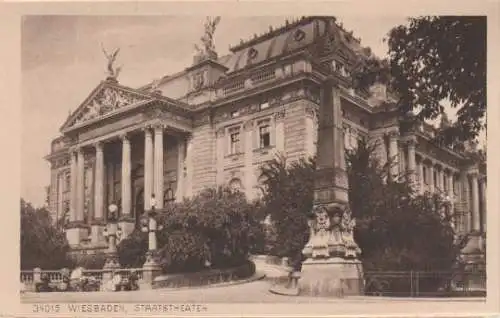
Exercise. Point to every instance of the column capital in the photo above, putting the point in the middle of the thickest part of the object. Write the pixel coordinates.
(159, 127)
(393, 134)
(98, 145)
(124, 137)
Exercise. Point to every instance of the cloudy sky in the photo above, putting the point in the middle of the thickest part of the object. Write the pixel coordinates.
(62, 62)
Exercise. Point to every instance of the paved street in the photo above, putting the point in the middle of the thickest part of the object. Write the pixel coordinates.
(253, 292)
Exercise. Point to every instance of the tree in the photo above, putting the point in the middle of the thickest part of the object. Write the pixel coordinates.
(216, 228)
(397, 229)
(287, 200)
(42, 244)
(431, 59)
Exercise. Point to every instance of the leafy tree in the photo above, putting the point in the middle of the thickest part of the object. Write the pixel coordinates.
(42, 244)
(431, 59)
(397, 229)
(287, 200)
(216, 228)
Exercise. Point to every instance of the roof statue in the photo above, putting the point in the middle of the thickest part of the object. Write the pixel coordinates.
(113, 71)
(207, 50)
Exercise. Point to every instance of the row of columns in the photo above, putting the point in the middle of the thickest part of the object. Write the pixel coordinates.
(153, 175)
(444, 181)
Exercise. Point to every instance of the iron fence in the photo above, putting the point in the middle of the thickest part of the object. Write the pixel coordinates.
(425, 284)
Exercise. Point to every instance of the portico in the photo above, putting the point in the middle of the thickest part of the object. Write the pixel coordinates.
(124, 166)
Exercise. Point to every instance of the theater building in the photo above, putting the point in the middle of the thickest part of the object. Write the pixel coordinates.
(218, 120)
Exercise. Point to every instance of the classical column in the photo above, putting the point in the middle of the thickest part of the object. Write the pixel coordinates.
(411, 159)
(80, 186)
(98, 221)
(439, 179)
(158, 166)
(188, 187)
(431, 177)
(475, 203)
(126, 175)
(394, 152)
(421, 175)
(99, 182)
(148, 168)
(181, 151)
(73, 193)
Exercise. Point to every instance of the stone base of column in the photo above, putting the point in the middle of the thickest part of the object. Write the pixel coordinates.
(76, 233)
(96, 233)
(151, 269)
(475, 244)
(127, 226)
(333, 277)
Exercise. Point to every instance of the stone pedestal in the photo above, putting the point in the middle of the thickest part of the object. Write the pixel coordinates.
(127, 226)
(332, 277)
(76, 234)
(474, 259)
(97, 233)
(150, 270)
(111, 265)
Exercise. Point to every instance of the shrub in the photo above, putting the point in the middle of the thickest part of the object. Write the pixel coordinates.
(91, 261)
(42, 244)
(132, 250)
(218, 227)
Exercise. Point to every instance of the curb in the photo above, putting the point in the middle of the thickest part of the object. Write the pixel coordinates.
(255, 277)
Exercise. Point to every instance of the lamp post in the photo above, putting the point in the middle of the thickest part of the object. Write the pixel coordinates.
(149, 225)
(111, 232)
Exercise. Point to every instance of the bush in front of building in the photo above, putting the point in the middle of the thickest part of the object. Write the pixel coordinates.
(43, 244)
(397, 228)
(215, 229)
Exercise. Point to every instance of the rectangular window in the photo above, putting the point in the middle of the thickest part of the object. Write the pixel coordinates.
(264, 136)
(424, 172)
(235, 114)
(234, 142)
(264, 105)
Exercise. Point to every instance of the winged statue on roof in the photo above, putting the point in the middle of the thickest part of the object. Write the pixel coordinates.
(113, 71)
(207, 40)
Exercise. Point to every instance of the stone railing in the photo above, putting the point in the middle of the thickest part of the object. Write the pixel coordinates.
(30, 278)
(234, 86)
(266, 75)
(263, 76)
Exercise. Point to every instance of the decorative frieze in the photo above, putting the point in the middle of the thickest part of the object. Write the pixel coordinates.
(107, 100)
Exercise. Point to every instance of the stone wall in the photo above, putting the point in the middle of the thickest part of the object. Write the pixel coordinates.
(203, 158)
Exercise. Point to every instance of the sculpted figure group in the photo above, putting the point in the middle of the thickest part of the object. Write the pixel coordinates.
(331, 234)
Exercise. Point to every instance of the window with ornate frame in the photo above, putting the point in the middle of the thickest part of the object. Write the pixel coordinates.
(234, 140)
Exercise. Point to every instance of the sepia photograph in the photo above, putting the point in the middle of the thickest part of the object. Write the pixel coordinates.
(172, 162)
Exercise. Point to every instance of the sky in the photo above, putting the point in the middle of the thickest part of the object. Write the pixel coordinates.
(62, 62)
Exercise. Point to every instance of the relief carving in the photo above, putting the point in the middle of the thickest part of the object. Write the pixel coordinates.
(107, 101)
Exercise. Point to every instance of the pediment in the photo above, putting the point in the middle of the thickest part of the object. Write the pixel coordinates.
(105, 99)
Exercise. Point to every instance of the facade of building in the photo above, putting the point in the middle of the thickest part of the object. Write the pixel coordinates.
(220, 119)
